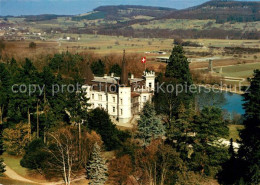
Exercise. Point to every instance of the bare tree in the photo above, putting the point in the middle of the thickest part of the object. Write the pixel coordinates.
(64, 151)
(153, 163)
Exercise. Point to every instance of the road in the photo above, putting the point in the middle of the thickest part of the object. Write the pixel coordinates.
(13, 175)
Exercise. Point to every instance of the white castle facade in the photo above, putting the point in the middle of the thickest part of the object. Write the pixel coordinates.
(121, 97)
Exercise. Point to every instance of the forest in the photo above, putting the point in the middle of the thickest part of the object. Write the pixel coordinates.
(174, 142)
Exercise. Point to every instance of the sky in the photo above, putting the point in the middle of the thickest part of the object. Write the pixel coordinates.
(75, 7)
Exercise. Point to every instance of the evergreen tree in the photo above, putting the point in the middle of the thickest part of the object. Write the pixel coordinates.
(2, 167)
(98, 68)
(97, 168)
(116, 69)
(1, 140)
(209, 154)
(230, 170)
(35, 156)
(149, 126)
(99, 120)
(4, 90)
(249, 152)
(175, 87)
(181, 130)
(178, 66)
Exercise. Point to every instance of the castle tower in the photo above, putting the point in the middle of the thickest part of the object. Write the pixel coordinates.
(124, 74)
(149, 80)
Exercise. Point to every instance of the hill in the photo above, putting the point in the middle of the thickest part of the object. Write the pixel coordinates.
(221, 11)
(126, 12)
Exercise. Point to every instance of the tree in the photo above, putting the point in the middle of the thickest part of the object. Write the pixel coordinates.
(157, 164)
(230, 169)
(249, 152)
(4, 90)
(149, 126)
(98, 68)
(100, 121)
(2, 47)
(120, 169)
(97, 168)
(178, 66)
(208, 153)
(87, 144)
(1, 140)
(15, 139)
(2, 167)
(116, 69)
(181, 130)
(35, 156)
(32, 45)
(63, 152)
(175, 86)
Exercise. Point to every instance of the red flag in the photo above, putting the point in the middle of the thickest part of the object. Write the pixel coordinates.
(144, 60)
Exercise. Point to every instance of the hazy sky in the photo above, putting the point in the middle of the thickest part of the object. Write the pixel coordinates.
(73, 7)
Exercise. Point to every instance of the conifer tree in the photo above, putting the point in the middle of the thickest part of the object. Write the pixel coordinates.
(97, 168)
(2, 166)
(230, 168)
(209, 154)
(249, 152)
(174, 89)
(181, 130)
(149, 126)
(178, 66)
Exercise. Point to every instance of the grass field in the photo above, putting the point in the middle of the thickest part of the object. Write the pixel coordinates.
(14, 163)
(102, 45)
(240, 70)
(234, 131)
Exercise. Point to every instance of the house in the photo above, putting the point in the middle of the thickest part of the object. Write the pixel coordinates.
(122, 97)
(163, 59)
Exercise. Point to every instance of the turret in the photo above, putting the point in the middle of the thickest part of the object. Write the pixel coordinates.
(149, 80)
(124, 74)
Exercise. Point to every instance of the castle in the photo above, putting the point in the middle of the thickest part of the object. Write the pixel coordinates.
(122, 97)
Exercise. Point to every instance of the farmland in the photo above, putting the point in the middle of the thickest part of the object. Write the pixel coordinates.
(104, 45)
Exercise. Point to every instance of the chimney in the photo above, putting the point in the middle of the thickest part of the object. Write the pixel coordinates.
(124, 75)
(112, 75)
(105, 76)
(132, 76)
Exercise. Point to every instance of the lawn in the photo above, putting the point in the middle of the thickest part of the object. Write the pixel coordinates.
(240, 70)
(14, 163)
(234, 131)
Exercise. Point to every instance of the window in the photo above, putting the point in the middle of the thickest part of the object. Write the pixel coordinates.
(121, 111)
(100, 97)
(114, 109)
(121, 101)
(144, 98)
(150, 85)
(93, 96)
(114, 99)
